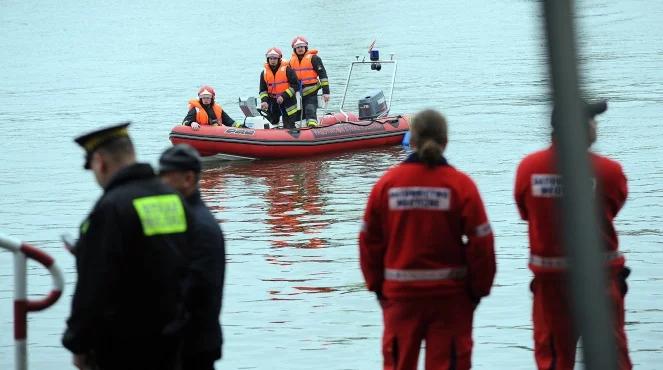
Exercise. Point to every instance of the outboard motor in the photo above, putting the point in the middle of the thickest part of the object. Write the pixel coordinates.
(249, 107)
(253, 118)
(373, 105)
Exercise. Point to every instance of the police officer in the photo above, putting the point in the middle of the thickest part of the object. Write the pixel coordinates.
(127, 307)
(537, 191)
(179, 167)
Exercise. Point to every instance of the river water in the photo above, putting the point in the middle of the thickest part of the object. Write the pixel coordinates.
(294, 297)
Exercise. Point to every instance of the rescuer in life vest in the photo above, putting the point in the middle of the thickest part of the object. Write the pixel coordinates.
(312, 76)
(278, 84)
(205, 111)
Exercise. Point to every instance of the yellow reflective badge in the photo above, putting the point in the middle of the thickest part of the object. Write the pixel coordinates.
(161, 214)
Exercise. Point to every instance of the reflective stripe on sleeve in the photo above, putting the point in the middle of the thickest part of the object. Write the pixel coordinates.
(562, 262)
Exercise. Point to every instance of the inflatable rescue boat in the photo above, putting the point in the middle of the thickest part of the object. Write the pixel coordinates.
(373, 126)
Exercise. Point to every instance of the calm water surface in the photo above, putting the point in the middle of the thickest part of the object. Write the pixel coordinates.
(294, 296)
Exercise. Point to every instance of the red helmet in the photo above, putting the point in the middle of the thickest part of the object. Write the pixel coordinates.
(274, 52)
(299, 41)
(206, 90)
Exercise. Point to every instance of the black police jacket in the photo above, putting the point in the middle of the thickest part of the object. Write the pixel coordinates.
(205, 286)
(131, 267)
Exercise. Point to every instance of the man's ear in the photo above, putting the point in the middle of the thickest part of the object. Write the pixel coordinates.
(100, 161)
(190, 178)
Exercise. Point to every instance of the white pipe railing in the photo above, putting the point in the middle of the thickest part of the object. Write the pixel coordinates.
(22, 305)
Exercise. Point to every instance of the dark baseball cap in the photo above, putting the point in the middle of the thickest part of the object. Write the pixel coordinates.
(589, 109)
(181, 157)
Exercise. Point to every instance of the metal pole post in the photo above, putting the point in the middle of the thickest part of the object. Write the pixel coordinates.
(347, 83)
(393, 83)
(20, 312)
(592, 314)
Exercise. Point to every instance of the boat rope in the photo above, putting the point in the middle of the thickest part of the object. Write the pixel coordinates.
(361, 124)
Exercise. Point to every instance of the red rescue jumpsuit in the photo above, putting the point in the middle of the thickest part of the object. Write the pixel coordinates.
(537, 188)
(413, 255)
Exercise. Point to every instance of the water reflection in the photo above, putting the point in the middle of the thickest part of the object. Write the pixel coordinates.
(290, 202)
(293, 197)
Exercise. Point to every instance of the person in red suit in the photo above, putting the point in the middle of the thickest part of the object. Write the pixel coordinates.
(538, 188)
(426, 250)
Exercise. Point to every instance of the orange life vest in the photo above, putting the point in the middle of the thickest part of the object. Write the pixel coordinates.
(304, 68)
(276, 83)
(201, 115)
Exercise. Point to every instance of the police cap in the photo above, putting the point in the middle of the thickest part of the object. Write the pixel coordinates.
(97, 139)
(181, 157)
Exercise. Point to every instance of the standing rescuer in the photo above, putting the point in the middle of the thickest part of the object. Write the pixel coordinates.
(128, 308)
(538, 187)
(179, 167)
(312, 76)
(426, 250)
(278, 84)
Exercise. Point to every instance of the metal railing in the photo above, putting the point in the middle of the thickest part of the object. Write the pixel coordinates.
(380, 62)
(22, 305)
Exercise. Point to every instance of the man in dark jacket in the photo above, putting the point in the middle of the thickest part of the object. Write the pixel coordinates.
(127, 309)
(179, 167)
